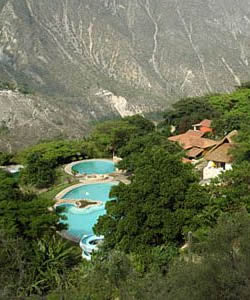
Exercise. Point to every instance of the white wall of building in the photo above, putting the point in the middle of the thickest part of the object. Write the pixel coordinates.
(211, 171)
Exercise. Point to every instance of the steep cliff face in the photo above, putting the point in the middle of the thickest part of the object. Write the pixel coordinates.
(26, 119)
(143, 53)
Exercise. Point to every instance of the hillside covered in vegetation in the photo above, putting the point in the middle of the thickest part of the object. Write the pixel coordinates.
(88, 59)
(165, 233)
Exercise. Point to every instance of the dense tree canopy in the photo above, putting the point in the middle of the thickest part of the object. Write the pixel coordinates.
(39, 171)
(137, 145)
(189, 111)
(241, 151)
(233, 109)
(220, 267)
(5, 158)
(35, 267)
(25, 215)
(143, 125)
(155, 207)
(231, 195)
(32, 258)
(59, 151)
(41, 160)
(147, 221)
(228, 111)
(111, 136)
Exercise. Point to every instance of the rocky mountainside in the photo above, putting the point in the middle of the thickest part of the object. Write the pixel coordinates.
(88, 59)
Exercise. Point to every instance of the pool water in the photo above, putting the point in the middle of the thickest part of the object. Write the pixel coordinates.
(94, 167)
(81, 221)
(97, 191)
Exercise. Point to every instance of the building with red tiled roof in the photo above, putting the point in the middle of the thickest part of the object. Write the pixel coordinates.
(195, 133)
(184, 138)
(221, 153)
(186, 160)
(194, 152)
(203, 126)
(219, 157)
(194, 142)
(192, 139)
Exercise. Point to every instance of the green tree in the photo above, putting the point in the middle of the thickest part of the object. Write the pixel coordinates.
(25, 215)
(233, 120)
(5, 158)
(155, 207)
(189, 111)
(231, 195)
(59, 151)
(39, 171)
(51, 264)
(14, 275)
(111, 136)
(33, 260)
(35, 267)
(241, 151)
(137, 145)
(41, 160)
(220, 268)
(143, 125)
(233, 111)
(244, 85)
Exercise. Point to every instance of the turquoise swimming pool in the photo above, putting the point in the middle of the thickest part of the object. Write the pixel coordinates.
(95, 166)
(80, 221)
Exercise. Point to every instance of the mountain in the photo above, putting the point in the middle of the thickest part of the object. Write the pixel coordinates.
(89, 59)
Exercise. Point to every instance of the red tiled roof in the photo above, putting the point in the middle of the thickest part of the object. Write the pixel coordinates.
(195, 133)
(188, 134)
(221, 152)
(206, 123)
(186, 160)
(206, 129)
(199, 143)
(194, 152)
(192, 139)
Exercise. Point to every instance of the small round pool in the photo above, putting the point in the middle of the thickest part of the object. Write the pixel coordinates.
(94, 166)
(80, 221)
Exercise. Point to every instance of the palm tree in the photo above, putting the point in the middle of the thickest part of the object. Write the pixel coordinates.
(54, 259)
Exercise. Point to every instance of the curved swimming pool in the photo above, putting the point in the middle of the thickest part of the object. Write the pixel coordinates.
(81, 221)
(94, 166)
